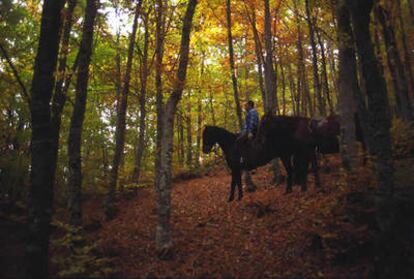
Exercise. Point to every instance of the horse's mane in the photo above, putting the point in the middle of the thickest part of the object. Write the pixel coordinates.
(219, 131)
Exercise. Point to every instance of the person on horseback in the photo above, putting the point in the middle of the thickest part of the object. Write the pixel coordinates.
(251, 122)
(249, 129)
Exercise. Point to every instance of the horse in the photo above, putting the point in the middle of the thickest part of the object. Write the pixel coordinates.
(286, 137)
(326, 132)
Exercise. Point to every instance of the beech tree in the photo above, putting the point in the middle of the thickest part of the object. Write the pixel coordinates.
(41, 177)
(121, 118)
(348, 85)
(78, 115)
(163, 183)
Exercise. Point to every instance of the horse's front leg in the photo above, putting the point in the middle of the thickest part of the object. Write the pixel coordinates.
(238, 177)
(288, 167)
(232, 186)
(315, 169)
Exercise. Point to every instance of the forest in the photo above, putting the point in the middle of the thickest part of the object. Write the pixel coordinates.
(124, 125)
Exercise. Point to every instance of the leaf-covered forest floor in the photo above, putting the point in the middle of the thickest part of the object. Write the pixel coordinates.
(267, 234)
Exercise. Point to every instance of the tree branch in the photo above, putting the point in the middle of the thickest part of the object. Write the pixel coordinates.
(15, 73)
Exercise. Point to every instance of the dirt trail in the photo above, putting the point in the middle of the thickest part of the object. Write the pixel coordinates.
(267, 234)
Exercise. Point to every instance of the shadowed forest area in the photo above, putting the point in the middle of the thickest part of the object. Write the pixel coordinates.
(129, 146)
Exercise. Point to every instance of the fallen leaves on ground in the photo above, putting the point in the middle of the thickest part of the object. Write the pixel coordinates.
(267, 234)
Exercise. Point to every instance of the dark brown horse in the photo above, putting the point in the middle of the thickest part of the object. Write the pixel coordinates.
(326, 132)
(288, 138)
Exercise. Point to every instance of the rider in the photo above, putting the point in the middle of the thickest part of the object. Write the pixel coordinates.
(250, 126)
(251, 122)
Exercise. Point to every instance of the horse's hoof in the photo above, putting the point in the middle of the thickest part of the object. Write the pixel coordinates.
(230, 199)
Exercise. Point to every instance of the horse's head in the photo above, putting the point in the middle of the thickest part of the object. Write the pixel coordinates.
(208, 139)
(326, 126)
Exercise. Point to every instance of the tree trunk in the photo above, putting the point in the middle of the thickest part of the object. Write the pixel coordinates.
(199, 115)
(180, 139)
(332, 69)
(395, 65)
(142, 105)
(304, 99)
(411, 10)
(62, 84)
(159, 54)
(232, 66)
(269, 71)
(189, 157)
(325, 83)
(348, 87)
(78, 115)
(110, 211)
(259, 57)
(41, 176)
(316, 82)
(283, 81)
(270, 79)
(163, 186)
(407, 61)
(292, 90)
(379, 119)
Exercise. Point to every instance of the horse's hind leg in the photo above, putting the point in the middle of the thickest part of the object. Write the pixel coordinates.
(315, 169)
(232, 187)
(288, 167)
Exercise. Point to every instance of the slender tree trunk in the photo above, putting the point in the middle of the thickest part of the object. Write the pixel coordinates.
(180, 141)
(16, 75)
(159, 54)
(142, 105)
(316, 81)
(407, 61)
(199, 131)
(199, 114)
(41, 176)
(78, 115)
(303, 87)
(259, 57)
(411, 10)
(118, 75)
(232, 66)
(283, 81)
(269, 71)
(62, 83)
(348, 87)
(213, 115)
(292, 89)
(325, 83)
(332, 67)
(189, 156)
(395, 65)
(110, 211)
(163, 231)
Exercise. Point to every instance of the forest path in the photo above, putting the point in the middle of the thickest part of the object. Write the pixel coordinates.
(267, 234)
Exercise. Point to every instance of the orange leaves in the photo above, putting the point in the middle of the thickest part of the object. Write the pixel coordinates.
(266, 234)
